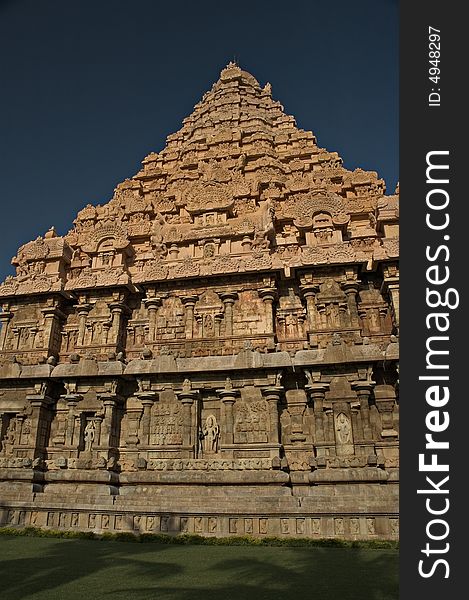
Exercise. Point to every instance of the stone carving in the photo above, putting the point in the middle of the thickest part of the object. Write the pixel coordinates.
(210, 435)
(251, 422)
(167, 421)
(316, 526)
(354, 526)
(10, 438)
(263, 525)
(285, 526)
(224, 327)
(339, 527)
(89, 435)
(198, 524)
(343, 429)
(233, 526)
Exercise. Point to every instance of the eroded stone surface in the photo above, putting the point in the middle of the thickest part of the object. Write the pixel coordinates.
(214, 350)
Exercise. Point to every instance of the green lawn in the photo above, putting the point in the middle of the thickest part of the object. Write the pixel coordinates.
(53, 569)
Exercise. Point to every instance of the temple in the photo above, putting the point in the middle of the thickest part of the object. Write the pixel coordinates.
(215, 349)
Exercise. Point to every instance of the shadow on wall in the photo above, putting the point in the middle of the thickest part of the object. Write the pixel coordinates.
(36, 569)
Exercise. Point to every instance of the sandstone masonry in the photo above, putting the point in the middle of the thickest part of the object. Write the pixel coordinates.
(214, 350)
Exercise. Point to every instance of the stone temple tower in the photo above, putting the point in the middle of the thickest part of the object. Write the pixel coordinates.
(214, 350)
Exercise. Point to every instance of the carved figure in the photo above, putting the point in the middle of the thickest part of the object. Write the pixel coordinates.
(343, 428)
(211, 432)
(89, 435)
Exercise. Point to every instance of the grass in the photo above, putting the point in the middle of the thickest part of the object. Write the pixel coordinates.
(188, 538)
(40, 568)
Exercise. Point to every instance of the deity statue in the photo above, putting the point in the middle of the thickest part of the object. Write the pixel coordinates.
(210, 435)
(89, 435)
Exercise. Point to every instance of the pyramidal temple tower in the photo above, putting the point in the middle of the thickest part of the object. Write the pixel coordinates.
(214, 350)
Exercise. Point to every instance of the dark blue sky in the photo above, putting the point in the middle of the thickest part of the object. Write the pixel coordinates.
(89, 87)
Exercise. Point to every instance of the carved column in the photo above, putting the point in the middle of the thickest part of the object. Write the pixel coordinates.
(40, 423)
(152, 305)
(118, 309)
(268, 296)
(72, 401)
(82, 312)
(109, 404)
(317, 393)
(189, 303)
(52, 319)
(272, 395)
(228, 299)
(309, 292)
(5, 318)
(351, 289)
(363, 389)
(147, 399)
(187, 398)
(228, 398)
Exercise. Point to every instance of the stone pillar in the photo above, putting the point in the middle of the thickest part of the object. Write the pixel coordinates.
(109, 404)
(272, 395)
(82, 312)
(228, 299)
(385, 398)
(40, 423)
(351, 289)
(363, 389)
(268, 296)
(117, 310)
(152, 305)
(187, 397)
(52, 318)
(5, 318)
(72, 401)
(189, 303)
(228, 398)
(314, 322)
(317, 394)
(147, 399)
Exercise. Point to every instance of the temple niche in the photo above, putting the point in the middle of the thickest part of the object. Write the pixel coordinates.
(214, 350)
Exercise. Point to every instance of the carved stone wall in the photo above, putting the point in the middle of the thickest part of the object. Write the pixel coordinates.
(218, 340)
